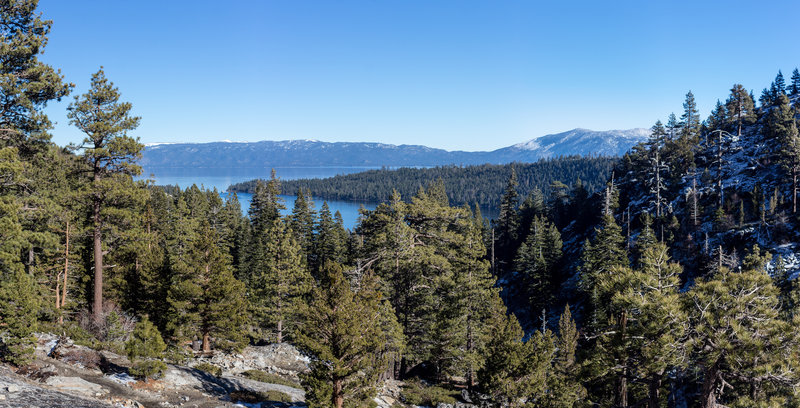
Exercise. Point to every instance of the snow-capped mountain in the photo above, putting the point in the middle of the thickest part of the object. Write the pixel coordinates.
(312, 153)
(583, 142)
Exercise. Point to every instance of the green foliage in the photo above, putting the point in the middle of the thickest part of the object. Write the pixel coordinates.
(145, 341)
(205, 299)
(250, 397)
(738, 335)
(414, 392)
(279, 282)
(209, 368)
(19, 304)
(537, 259)
(148, 368)
(516, 370)
(110, 155)
(26, 84)
(269, 378)
(350, 333)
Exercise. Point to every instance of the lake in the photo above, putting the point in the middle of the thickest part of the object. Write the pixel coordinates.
(221, 178)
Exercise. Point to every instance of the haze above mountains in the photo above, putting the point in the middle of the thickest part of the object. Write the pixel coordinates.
(309, 153)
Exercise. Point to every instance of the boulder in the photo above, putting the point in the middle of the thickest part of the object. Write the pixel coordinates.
(76, 385)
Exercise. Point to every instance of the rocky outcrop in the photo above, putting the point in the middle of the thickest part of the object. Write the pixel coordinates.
(15, 394)
(77, 386)
(282, 359)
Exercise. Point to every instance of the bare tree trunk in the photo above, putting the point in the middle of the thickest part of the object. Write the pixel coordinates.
(280, 331)
(622, 380)
(66, 274)
(206, 343)
(97, 305)
(794, 190)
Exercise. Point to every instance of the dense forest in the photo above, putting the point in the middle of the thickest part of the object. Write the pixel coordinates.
(466, 185)
(672, 286)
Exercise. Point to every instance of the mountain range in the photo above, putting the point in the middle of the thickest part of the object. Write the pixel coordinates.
(311, 153)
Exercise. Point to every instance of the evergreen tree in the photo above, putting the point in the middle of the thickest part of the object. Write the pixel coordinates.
(794, 87)
(205, 299)
(26, 84)
(507, 223)
(331, 238)
(739, 339)
(145, 348)
(565, 389)
(782, 127)
(516, 371)
(110, 153)
(599, 259)
(536, 260)
(351, 333)
(302, 223)
(281, 283)
(778, 86)
(741, 108)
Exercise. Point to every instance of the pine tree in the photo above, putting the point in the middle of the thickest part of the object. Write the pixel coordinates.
(536, 261)
(718, 118)
(507, 223)
(515, 370)
(302, 223)
(738, 337)
(794, 87)
(781, 126)
(351, 333)
(564, 387)
(281, 283)
(26, 84)
(264, 211)
(778, 86)
(205, 299)
(600, 257)
(331, 239)
(657, 166)
(110, 153)
(145, 348)
(741, 108)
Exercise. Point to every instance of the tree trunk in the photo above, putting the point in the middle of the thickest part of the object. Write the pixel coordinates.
(654, 391)
(709, 396)
(280, 331)
(66, 273)
(794, 190)
(206, 343)
(622, 380)
(338, 398)
(97, 305)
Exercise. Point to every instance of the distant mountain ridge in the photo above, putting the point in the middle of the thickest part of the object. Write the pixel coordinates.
(312, 153)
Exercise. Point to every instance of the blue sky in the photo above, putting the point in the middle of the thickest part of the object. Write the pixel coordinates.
(459, 75)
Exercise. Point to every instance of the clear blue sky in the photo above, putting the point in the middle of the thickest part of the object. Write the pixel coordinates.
(466, 75)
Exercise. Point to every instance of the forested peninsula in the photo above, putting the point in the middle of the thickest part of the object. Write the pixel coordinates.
(465, 185)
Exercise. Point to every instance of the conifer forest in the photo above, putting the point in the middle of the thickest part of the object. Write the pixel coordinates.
(663, 278)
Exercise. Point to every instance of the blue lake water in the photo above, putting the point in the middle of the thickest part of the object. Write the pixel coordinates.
(221, 178)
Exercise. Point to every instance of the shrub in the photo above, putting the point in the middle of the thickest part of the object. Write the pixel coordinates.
(209, 368)
(145, 341)
(145, 348)
(148, 368)
(251, 397)
(414, 392)
(270, 378)
(178, 355)
(114, 325)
